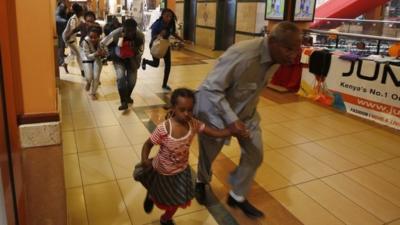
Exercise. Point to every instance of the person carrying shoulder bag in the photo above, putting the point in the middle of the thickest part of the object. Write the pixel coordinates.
(126, 57)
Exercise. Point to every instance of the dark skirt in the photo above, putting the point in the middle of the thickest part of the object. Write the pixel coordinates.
(166, 190)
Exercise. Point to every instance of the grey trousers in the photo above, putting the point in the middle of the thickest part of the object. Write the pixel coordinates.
(251, 158)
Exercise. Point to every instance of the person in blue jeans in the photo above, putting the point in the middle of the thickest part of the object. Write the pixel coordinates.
(126, 54)
(164, 27)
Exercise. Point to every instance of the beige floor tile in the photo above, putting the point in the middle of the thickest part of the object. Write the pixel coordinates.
(381, 141)
(271, 116)
(376, 184)
(68, 142)
(88, 140)
(368, 150)
(66, 123)
(307, 109)
(394, 163)
(133, 194)
(370, 201)
(71, 171)
(100, 106)
(202, 217)
(290, 170)
(341, 123)
(231, 150)
(269, 179)
(337, 204)
(105, 120)
(193, 159)
(285, 134)
(288, 113)
(309, 163)
(273, 141)
(137, 148)
(113, 136)
(127, 118)
(65, 107)
(331, 159)
(385, 172)
(79, 104)
(351, 155)
(307, 132)
(83, 120)
(154, 100)
(76, 208)
(396, 222)
(138, 139)
(300, 205)
(266, 102)
(95, 167)
(110, 208)
(135, 130)
(320, 127)
(390, 133)
(123, 160)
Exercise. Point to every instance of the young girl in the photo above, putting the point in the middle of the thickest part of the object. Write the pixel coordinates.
(91, 59)
(168, 179)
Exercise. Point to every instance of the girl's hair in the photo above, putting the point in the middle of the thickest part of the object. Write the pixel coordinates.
(76, 8)
(180, 92)
(173, 20)
(129, 23)
(95, 29)
(90, 14)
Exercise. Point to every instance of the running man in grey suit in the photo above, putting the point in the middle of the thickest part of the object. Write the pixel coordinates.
(228, 98)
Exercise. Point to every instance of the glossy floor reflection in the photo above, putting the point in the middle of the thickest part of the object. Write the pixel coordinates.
(320, 167)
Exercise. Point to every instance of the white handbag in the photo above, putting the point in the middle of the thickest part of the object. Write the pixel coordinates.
(159, 47)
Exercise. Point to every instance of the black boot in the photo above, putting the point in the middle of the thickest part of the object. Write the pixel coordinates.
(122, 96)
(128, 98)
(148, 204)
(144, 64)
(123, 106)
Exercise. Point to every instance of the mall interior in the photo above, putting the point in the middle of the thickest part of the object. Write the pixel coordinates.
(330, 121)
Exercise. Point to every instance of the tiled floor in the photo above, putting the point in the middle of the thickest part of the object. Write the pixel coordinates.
(320, 167)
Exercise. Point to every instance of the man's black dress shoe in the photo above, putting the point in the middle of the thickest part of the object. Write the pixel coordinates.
(200, 193)
(245, 206)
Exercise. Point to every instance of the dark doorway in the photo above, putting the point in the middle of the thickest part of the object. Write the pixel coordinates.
(189, 20)
(226, 24)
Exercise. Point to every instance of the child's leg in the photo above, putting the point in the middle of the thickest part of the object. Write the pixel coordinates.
(169, 213)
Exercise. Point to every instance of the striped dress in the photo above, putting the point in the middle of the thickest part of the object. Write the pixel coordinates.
(170, 183)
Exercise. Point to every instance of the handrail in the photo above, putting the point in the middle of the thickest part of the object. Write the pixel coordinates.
(358, 20)
(353, 35)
